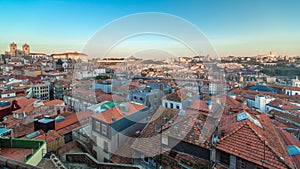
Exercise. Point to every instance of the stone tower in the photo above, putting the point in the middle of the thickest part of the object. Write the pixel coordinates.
(13, 49)
(26, 49)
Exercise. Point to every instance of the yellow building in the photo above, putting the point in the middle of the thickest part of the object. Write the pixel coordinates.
(71, 55)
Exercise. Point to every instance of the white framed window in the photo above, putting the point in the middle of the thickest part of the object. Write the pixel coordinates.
(104, 129)
(164, 139)
(97, 126)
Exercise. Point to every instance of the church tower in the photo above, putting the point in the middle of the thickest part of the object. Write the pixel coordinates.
(13, 49)
(26, 49)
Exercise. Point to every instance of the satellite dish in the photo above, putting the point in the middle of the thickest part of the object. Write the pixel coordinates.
(65, 65)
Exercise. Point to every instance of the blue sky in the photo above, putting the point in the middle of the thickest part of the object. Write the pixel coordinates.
(234, 27)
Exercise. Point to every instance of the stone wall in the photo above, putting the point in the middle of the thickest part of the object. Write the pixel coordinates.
(84, 158)
(9, 163)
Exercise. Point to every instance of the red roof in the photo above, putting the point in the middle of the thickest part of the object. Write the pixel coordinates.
(232, 102)
(199, 105)
(72, 119)
(248, 141)
(284, 105)
(179, 95)
(290, 140)
(292, 88)
(53, 102)
(117, 113)
(22, 102)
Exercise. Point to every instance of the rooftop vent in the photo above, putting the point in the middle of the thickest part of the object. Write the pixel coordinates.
(123, 107)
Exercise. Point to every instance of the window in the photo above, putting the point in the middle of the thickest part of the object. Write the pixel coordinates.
(241, 164)
(177, 107)
(224, 158)
(166, 104)
(171, 105)
(105, 146)
(145, 159)
(104, 129)
(97, 126)
(164, 139)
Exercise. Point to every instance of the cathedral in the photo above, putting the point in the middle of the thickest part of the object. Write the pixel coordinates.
(15, 52)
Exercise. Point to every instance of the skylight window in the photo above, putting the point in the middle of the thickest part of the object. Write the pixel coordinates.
(293, 150)
(245, 115)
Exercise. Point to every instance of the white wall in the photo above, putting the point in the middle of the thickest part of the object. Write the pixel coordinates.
(292, 92)
(168, 102)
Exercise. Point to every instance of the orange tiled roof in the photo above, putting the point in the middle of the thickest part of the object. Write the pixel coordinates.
(53, 102)
(22, 102)
(248, 141)
(290, 140)
(179, 95)
(117, 113)
(199, 105)
(72, 119)
(231, 101)
(292, 88)
(284, 105)
(49, 137)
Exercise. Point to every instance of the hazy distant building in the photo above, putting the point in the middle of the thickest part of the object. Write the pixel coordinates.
(13, 50)
(296, 82)
(70, 55)
(26, 49)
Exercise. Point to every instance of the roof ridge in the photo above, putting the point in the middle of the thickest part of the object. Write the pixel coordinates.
(249, 124)
(233, 132)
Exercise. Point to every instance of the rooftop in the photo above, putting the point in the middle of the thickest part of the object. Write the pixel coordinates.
(117, 113)
(179, 95)
(249, 141)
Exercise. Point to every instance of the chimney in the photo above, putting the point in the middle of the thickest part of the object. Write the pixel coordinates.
(209, 104)
(161, 86)
(123, 107)
(35, 124)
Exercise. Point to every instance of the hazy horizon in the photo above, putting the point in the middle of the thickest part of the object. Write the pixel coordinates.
(239, 28)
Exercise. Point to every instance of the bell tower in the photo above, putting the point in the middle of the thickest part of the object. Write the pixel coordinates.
(13, 49)
(26, 49)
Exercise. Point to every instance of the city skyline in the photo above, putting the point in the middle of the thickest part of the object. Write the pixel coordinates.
(233, 27)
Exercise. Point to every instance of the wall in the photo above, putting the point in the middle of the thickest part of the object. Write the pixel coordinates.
(168, 102)
(91, 162)
(37, 156)
(39, 145)
(9, 163)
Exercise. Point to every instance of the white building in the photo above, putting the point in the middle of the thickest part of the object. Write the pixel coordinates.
(179, 99)
(40, 91)
(292, 90)
(282, 106)
(261, 102)
(296, 82)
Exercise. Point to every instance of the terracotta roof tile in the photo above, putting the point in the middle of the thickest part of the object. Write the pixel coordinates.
(117, 113)
(22, 102)
(292, 88)
(53, 102)
(179, 95)
(72, 119)
(248, 141)
(290, 140)
(150, 145)
(284, 105)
